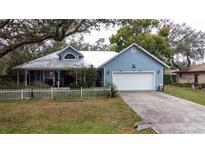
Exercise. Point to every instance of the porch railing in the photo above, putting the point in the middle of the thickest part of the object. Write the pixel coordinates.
(53, 93)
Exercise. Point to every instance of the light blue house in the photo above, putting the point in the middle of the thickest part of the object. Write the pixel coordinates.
(134, 68)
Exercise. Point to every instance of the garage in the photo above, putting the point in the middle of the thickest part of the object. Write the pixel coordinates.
(134, 68)
(134, 80)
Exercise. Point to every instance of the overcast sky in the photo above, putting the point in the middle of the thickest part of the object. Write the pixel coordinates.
(103, 33)
(198, 24)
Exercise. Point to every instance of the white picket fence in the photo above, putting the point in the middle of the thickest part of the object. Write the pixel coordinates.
(53, 93)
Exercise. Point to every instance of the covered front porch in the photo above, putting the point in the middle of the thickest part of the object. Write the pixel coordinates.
(58, 78)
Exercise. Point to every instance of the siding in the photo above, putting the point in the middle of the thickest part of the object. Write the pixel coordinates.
(141, 60)
(201, 78)
(189, 78)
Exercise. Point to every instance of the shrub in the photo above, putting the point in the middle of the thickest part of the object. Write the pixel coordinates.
(90, 74)
(189, 85)
(114, 91)
(169, 79)
(14, 85)
(200, 86)
(74, 85)
(184, 85)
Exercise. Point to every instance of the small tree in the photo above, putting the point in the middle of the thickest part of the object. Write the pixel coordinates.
(91, 76)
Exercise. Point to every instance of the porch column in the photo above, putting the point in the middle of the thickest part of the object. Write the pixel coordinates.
(58, 79)
(25, 78)
(54, 79)
(104, 77)
(29, 78)
(84, 76)
(17, 78)
(43, 77)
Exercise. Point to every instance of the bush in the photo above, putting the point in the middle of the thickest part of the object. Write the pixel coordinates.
(74, 85)
(184, 85)
(114, 91)
(200, 86)
(90, 78)
(170, 79)
(189, 85)
(14, 85)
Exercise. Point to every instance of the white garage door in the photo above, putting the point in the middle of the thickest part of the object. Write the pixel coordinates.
(134, 81)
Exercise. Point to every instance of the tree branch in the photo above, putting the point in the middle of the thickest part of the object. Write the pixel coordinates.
(4, 22)
(173, 62)
(188, 61)
(15, 33)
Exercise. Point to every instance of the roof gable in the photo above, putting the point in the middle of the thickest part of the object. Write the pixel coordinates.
(142, 49)
(69, 49)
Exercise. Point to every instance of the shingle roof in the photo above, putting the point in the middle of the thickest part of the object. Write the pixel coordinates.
(52, 61)
(194, 68)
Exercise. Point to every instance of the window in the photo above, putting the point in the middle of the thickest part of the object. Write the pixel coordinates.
(69, 56)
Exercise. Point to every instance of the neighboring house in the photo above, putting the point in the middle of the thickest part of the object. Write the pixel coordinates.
(134, 68)
(194, 74)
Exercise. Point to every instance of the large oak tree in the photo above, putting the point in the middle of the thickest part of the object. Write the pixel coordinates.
(187, 44)
(15, 33)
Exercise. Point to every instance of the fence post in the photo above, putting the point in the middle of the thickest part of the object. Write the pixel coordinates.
(21, 93)
(51, 92)
(110, 91)
(81, 92)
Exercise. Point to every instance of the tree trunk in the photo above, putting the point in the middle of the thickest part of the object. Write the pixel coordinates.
(188, 60)
(173, 62)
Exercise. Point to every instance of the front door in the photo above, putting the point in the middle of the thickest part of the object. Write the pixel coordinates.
(195, 78)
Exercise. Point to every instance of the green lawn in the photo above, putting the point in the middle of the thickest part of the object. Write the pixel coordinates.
(104, 115)
(188, 94)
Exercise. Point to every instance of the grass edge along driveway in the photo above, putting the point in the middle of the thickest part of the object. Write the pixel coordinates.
(186, 93)
(88, 116)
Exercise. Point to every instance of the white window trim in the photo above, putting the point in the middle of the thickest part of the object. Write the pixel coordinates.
(69, 59)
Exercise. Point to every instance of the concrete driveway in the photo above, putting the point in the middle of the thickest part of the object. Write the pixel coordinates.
(166, 114)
